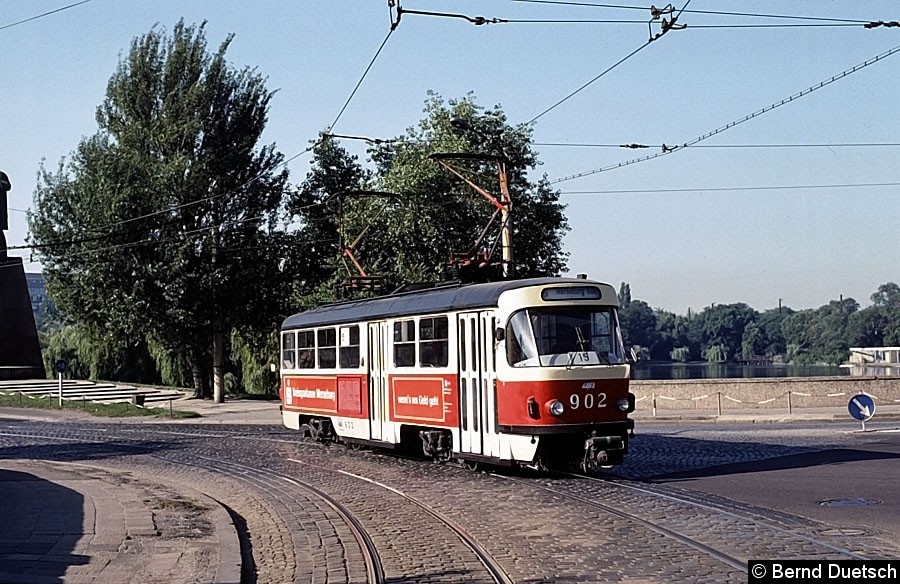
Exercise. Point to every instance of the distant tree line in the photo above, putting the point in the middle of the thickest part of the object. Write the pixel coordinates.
(735, 332)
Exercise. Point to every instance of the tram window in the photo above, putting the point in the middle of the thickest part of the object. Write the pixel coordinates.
(349, 350)
(476, 408)
(464, 402)
(550, 337)
(461, 336)
(521, 350)
(306, 347)
(492, 347)
(601, 335)
(433, 341)
(405, 343)
(288, 350)
(327, 348)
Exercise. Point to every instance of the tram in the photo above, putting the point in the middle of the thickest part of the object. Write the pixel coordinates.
(529, 372)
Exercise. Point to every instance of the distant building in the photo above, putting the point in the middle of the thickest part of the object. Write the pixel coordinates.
(875, 356)
(36, 292)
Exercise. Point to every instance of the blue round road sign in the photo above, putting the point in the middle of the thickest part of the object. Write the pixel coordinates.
(61, 366)
(862, 407)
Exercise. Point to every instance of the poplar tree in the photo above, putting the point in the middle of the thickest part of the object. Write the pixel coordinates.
(163, 225)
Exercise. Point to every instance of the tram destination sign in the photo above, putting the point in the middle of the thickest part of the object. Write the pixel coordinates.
(571, 293)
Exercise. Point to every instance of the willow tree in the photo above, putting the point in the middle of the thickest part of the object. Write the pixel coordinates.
(162, 226)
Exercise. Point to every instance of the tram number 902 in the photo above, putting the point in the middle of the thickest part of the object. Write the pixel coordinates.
(587, 401)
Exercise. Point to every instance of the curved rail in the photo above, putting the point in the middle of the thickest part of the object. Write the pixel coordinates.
(710, 506)
(490, 564)
(374, 567)
(701, 547)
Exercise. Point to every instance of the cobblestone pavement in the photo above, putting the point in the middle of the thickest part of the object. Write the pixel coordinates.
(287, 534)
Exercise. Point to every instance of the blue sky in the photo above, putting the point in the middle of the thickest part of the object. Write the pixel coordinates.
(685, 230)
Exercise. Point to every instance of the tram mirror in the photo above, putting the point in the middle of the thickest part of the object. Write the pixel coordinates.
(499, 334)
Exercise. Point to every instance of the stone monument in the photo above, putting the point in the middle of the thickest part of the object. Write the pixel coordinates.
(20, 350)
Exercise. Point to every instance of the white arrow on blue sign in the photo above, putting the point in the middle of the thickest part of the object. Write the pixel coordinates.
(862, 407)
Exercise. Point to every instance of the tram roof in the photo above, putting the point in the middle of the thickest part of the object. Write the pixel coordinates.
(428, 301)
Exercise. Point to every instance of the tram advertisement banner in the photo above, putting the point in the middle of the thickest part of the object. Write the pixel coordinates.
(311, 393)
(428, 399)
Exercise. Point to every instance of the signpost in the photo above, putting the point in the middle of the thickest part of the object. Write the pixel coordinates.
(862, 407)
(61, 367)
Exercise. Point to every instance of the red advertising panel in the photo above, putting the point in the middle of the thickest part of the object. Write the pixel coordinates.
(310, 393)
(424, 399)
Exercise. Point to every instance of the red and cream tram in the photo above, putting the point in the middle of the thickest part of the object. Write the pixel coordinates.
(530, 372)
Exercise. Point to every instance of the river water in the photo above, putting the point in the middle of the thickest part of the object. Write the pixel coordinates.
(734, 370)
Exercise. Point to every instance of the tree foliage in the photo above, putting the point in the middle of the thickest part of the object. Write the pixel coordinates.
(162, 225)
(736, 332)
(421, 214)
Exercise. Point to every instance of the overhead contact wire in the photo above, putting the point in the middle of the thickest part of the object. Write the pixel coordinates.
(361, 79)
(4, 27)
(670, 149)
(684, 9)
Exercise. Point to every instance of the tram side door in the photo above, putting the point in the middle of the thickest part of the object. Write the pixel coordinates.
(471, 365)
(379, 414)
(490, 438)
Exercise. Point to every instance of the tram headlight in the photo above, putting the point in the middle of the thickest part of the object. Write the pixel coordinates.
(556, 408)
(623, 404)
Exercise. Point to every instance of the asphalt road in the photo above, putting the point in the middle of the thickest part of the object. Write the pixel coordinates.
(850, 480)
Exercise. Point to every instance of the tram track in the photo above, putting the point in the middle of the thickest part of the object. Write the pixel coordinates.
(413, 520)
(491, 565)
(654, 527)
(264, 481)
(263, 478)
(732, 537)
(274, 483)
(705, 503)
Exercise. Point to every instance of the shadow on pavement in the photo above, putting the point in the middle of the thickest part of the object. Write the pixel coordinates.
(42, 523)
(98, 450)
(789, 462)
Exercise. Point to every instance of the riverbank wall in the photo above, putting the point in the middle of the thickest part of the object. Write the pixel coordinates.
(791, 394)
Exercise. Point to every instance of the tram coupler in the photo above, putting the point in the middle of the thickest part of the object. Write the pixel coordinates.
(600, 451)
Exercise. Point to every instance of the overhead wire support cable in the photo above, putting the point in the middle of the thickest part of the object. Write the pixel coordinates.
(635, 146)
(400, 11)
(726, 189)
(704, 12)
(773, 25)
(12, 24)
(667, 25)
(670, 149)
(589, 83)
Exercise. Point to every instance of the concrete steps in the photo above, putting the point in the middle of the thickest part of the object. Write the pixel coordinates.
(90, 391)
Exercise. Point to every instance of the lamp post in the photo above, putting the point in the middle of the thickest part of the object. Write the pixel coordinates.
(505, 198)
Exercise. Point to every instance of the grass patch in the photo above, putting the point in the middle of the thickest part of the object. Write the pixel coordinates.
(117, 410)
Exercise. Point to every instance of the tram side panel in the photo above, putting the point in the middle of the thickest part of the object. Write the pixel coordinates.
(422, 375)
(325, 378)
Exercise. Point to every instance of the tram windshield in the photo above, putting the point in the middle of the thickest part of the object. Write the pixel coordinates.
(564, 337)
